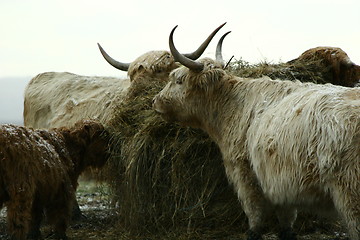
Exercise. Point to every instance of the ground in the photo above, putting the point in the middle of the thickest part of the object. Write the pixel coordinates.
(101, 223)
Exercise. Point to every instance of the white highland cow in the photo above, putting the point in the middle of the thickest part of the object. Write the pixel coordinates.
(286, 145)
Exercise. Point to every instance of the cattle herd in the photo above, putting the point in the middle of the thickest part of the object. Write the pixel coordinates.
(286, 146)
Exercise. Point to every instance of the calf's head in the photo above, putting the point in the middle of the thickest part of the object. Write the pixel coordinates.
(94, 139)
(190, 87)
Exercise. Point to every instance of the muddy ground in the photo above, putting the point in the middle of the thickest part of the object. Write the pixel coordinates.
(102, 223)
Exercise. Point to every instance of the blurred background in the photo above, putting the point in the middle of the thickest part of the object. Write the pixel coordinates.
(39, 36)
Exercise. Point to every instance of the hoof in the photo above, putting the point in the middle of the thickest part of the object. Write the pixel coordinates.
(57, 236)
(34, 234)
(77, 215)
(251, 235)
(287, 234)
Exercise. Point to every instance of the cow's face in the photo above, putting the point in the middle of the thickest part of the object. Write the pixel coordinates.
(170, 103)
(155, 64)
(353, 75)
(96, 140)
(184, 97)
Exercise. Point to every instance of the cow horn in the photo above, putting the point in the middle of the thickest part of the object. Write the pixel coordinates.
(218, 54)
(116, 64)
(187, 62)
(195, 55)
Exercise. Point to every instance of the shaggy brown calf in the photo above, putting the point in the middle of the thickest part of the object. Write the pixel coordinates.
(342, 71)
(39, 170)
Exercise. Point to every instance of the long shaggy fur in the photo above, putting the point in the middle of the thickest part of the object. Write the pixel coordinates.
(286, 145)
(39, 171)
(73, 98)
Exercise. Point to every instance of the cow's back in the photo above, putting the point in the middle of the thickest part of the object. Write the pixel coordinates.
(307, 134)
(55, 99)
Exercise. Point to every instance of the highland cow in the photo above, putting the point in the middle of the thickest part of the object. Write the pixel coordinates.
(342, 71)
(39, 170)
(286, 145)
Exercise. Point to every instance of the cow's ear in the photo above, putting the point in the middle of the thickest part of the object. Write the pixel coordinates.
(141, 67)
(209, 79)
(87, 127)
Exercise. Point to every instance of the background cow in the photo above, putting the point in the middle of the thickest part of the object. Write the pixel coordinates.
(55, 99)
(342, 71)
(286, 145)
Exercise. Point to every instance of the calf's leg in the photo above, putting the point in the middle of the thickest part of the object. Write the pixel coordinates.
(36, 218)
(19, 215)
(59, 210)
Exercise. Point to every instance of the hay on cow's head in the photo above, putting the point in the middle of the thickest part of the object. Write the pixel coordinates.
(305, 71)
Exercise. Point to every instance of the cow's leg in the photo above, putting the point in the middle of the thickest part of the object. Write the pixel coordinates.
(286, 217)
(346, 201)
(251, 197)
(59, 211)
(36, 218)
(19, 214)
(77, 215)
(3, 196)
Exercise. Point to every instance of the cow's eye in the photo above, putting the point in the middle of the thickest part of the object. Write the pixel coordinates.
(178, 81)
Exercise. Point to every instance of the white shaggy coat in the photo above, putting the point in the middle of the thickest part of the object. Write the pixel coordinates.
(286, 145)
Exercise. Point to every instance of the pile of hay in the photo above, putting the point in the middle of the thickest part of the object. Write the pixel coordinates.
(315, 70)
(165, 176)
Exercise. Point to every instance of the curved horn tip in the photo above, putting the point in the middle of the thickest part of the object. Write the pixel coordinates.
(116, 64)
(226, 33)
(223, 24)
(174, 28)
(218, 54)
(197, 53)
(219, 27)
(189, 63)
(171, 42)
(100, 47)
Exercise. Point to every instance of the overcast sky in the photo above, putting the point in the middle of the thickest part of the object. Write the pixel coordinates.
(61, 35)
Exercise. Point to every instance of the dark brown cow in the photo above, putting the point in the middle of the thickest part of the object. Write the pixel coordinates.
(342, 71)
(39, 170)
